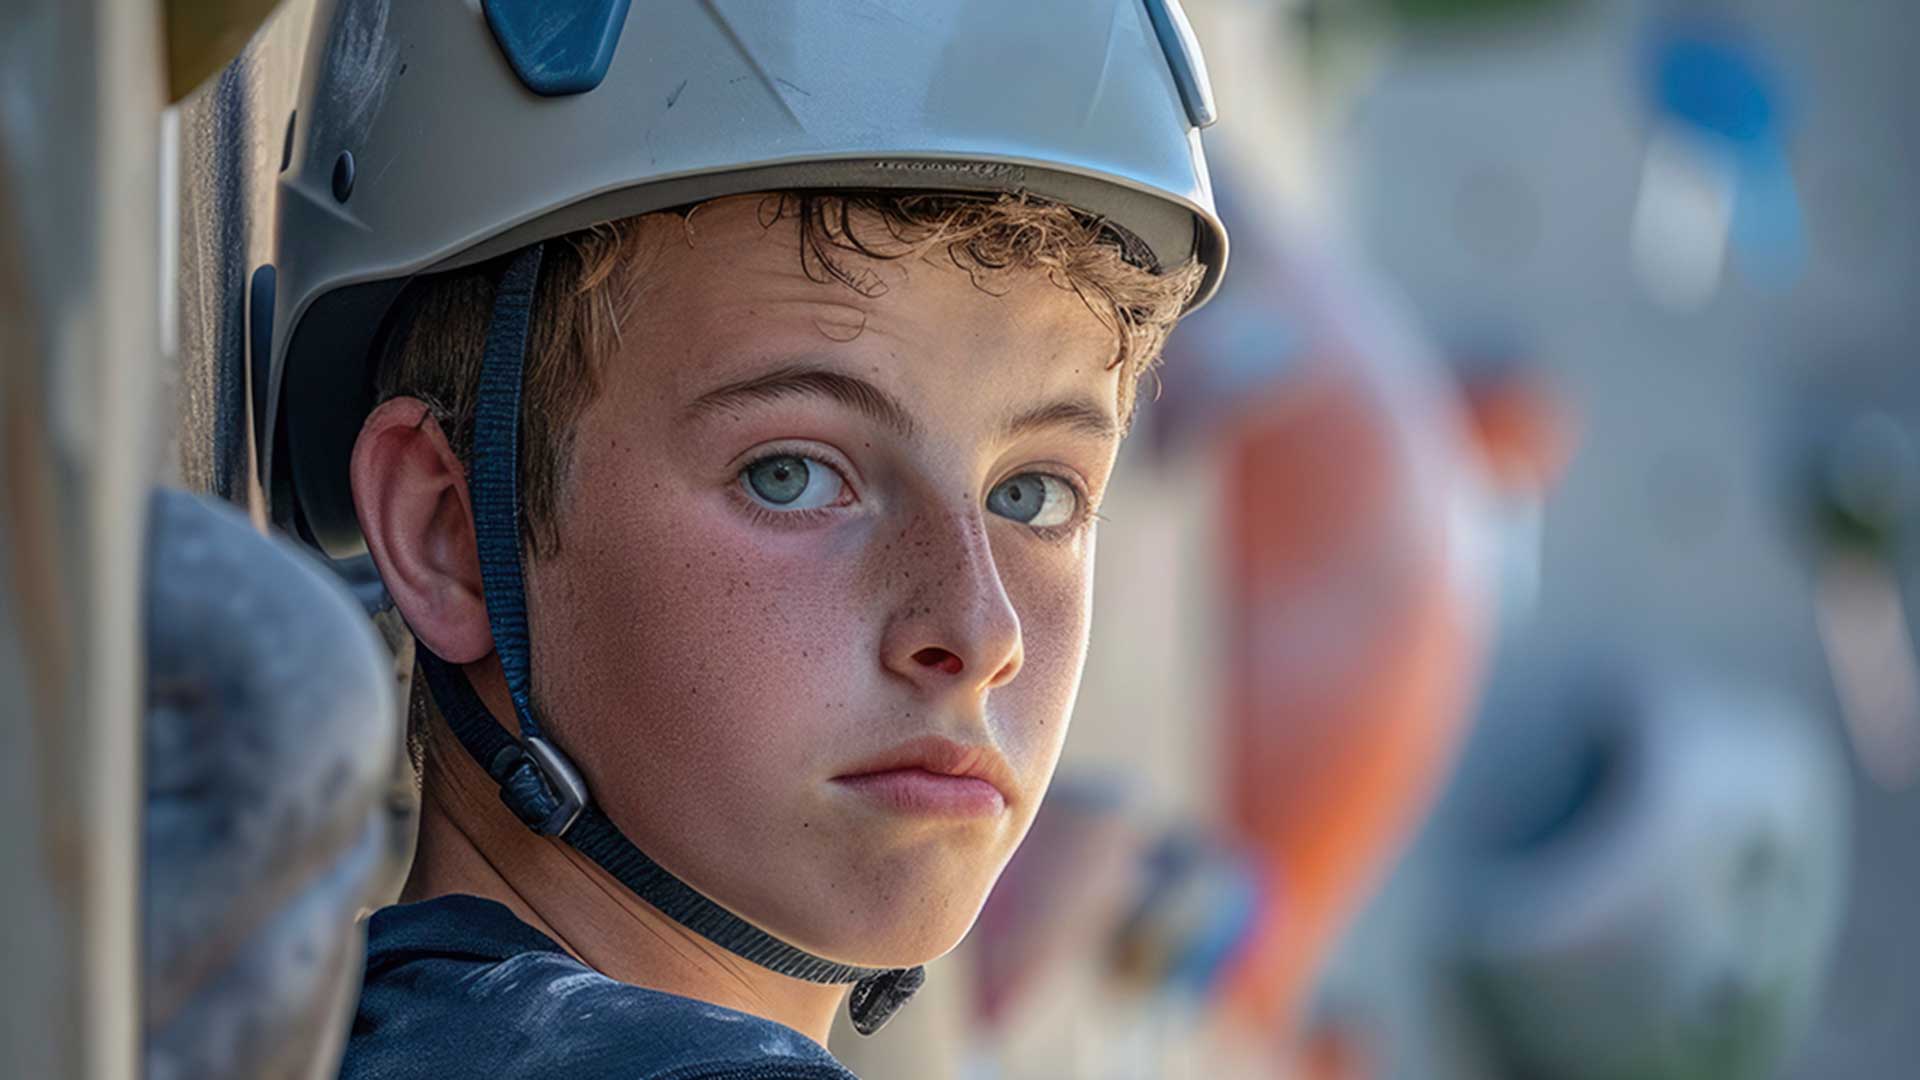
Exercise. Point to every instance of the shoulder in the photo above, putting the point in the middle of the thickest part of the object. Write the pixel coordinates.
(458, 986)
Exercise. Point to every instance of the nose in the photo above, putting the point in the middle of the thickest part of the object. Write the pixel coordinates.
(954, 627)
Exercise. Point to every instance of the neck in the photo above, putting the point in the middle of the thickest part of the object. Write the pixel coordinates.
(470, 843)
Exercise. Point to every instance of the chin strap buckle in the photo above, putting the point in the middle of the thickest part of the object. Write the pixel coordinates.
(539, 785)
(877, 997)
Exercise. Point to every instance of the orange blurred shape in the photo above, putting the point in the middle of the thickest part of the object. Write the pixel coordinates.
(1525, 432)
(1334, 1051)
(1352, 651)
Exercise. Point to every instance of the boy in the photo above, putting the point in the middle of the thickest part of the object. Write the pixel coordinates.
(782, 478)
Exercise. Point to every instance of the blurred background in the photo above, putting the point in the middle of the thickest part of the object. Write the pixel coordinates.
(1502, 664)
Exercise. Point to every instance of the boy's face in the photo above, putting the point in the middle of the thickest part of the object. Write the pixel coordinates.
(815, 549)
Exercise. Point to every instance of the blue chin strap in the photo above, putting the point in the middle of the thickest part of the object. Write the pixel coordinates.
(536, 780)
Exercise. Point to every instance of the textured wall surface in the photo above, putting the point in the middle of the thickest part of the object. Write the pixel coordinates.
(230, 133)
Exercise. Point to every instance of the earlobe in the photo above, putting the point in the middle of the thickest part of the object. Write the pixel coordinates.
(410, 492)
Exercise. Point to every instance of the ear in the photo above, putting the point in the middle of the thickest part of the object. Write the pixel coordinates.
(410, 492)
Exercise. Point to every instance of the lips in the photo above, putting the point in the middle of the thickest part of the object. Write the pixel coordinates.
(934, 777)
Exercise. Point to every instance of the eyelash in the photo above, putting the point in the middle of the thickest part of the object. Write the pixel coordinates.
(1083, 517)
(782, 519)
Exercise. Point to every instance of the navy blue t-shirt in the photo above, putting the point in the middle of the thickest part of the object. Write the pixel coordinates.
(458, 986)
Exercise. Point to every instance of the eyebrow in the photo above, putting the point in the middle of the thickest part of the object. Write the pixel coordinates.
(1078, 414)
(803, 380)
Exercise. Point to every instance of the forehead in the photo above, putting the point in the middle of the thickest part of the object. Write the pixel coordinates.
(728, 290)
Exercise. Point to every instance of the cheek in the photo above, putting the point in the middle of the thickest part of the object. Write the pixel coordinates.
(690, 656)
(1052, 591)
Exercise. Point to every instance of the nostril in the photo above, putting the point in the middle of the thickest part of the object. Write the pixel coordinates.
(938, 658)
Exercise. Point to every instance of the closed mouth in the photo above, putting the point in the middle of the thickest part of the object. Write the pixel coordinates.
(936, 775)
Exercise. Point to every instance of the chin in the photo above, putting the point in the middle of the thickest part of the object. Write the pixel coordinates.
(898, 927)
(906, 946)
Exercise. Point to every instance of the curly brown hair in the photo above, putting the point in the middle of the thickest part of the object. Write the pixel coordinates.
(437, 334)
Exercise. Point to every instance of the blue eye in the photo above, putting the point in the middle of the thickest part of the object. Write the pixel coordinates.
(792, 482)
(1035, 499)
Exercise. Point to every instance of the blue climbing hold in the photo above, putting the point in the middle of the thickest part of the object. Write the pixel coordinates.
(557, 47)
(1718, 83)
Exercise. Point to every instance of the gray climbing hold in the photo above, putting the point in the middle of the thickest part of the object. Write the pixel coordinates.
(270, 742)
